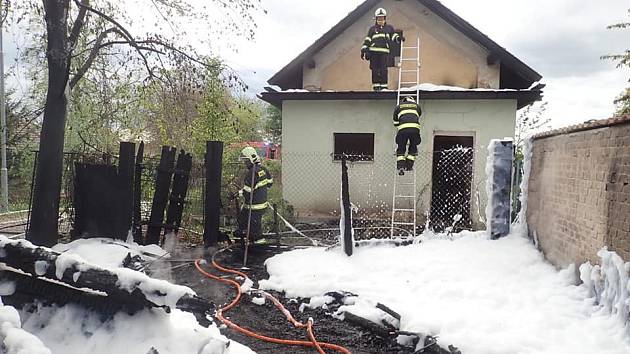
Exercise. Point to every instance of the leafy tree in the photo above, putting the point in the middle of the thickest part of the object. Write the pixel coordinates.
(623, 60)
(63, 24)
(197, 106)
(22, 130)
(273, 124)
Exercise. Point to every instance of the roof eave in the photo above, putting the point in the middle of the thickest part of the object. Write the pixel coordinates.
(523, 97)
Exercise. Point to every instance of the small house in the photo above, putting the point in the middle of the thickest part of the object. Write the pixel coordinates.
(471, 89)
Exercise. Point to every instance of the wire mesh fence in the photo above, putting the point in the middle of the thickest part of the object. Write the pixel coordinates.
(448, 192)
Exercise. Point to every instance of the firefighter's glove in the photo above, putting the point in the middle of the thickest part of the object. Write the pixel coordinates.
(364, 54)
(401, 38)
(240, 193)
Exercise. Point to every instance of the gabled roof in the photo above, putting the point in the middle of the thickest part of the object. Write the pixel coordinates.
(514, 73)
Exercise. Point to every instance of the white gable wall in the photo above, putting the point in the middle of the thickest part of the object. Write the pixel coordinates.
(311, 179)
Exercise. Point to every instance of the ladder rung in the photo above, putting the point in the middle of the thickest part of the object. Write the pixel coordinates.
(405, 196)
(406, 210)
(403, 223)
(409, 71)
(408, 94)
(409, 82)
(405, 184)
(409, 59)
(409, 47)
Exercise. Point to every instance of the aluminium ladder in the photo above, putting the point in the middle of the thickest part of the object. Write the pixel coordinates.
(404, 197)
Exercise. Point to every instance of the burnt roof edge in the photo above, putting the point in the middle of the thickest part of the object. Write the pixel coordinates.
(523, 97)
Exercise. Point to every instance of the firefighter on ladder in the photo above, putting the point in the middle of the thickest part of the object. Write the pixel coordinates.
(407, 121)
(256, 182)
(376, 48)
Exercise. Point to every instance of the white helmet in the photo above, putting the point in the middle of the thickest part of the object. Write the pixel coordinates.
(249, 153)
(410, 99)
(380, 12)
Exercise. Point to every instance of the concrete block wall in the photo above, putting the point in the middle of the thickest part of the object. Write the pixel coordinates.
(579, 191)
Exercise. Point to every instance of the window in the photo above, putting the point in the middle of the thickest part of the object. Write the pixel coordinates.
(355, 146)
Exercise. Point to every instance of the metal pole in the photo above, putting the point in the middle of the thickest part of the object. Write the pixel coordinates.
(4, 179)
(276, 229)
(249, 215)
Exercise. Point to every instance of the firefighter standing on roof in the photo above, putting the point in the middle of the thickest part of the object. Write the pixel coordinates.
(376, 48)
(407, 121)
(256, 182)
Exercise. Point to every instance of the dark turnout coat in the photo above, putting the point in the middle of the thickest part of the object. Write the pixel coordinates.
(255, 191)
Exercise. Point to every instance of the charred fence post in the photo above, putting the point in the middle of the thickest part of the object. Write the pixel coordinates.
(178, 193)
(346, 215)
(212, 204)
(160, 198)
(103, 196)
(126, 162)
(137, 196)
(501, 155)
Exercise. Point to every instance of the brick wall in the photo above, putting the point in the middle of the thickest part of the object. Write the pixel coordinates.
(579, 191)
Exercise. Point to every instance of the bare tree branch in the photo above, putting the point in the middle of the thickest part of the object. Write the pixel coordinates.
(90, 59)
(123, 31)
(22, 132)
(148, 49)
(5, 11)
(163, 16)
(77, 26)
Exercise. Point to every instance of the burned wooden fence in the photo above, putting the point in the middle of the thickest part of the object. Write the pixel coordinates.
(109, 196)
(103, 197)
(160, 198)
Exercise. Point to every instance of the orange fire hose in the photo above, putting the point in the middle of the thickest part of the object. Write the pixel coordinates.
(309, 326)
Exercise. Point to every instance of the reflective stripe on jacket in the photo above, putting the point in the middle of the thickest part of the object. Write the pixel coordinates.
(407, 115)
(378, 39)
(262, 181)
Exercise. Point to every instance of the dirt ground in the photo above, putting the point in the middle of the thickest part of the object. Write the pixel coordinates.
(268, 320)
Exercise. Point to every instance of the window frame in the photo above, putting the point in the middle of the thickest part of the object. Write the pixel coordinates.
(367, 158)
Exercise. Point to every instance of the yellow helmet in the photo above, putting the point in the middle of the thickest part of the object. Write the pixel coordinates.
(249, 153)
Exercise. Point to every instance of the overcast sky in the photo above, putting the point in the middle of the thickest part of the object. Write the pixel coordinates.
(561, 39)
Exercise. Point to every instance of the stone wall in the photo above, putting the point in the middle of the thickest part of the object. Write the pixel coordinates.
(579, 191)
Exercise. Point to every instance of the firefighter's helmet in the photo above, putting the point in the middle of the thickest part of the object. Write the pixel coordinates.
(380, 12)
(410, 99)
(250, 154)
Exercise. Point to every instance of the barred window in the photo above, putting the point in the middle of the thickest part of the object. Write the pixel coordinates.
(355, 146)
